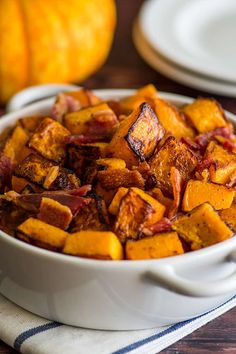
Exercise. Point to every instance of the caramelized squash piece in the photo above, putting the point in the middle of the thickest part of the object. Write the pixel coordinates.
(229, 217)
(137, 136)
(158, 246)
(114, 206)
(137, 210)
(202, 227)
(30, 123)
(157, 194)
(173, 153)
(20, 184)
(115, 178)
(49, 140)
(36, 170)
(43, 234)
(205, 114)
(14, 147)
(93, 216)
(199, 192)
(223, 163)
(94, 244)
(111, 163)
(172, 119)
(145, 94)
(54, 213)
(77, 122)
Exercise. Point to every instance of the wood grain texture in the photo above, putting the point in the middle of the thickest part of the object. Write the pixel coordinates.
(125, 69)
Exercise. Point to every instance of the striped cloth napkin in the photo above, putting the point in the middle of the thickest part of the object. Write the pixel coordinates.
(28, 333)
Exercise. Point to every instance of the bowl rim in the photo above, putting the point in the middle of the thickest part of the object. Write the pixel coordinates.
(69, 259)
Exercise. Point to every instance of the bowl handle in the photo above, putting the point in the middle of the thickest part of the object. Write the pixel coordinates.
(167, 278)
(36, 93)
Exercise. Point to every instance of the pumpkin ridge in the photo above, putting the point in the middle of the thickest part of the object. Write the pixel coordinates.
(24, 26)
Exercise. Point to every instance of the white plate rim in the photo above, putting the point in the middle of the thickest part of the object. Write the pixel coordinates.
(157, 7)
(188, 78)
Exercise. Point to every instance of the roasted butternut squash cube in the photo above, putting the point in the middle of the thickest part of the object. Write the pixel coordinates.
(199, 192)
(173, 153)
(49, 140)
(84, 97)
(205, 114)
(20, 184)
(77, 122)
(172, 119)
(115, 204)
(158, 246)
(229, 216)
(43, 234)
(14, 147)
(202, 227)
(111, 163)
(137, 136)
(115, 178)
(144, 94)
(223, 163)
(36, 169)
(137, 210)
(31, 123)
(55, 213)
(157, 194)
(93, 216)
(94, 244)
(80, 157)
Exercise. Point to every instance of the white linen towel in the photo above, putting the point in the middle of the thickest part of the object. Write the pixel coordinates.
(29, 333)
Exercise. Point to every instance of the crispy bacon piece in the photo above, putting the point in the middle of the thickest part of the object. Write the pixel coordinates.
(64, 104)
(6, 168)
(32, 202)
(103, 123)
(204, 164)
(177, 182)
(163, 225)
(190, 143)
(229, 145)
(203, 139)
(79, 139)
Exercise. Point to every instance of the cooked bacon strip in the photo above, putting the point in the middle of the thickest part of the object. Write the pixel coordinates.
(190, 143)
(103, 123)
(163, 225)
(204, 164)
(177, 182)
(80, 192)
(32, 202)
(84, 139)
(232, 182)
(64, 104)
(229, 145)
(203, 139)
(6, 168)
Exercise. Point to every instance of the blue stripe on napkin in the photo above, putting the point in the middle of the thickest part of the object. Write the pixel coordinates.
(32, 332)
(36, 330)
(167, 331)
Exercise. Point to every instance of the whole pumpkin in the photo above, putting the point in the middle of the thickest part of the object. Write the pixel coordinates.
(45, 41)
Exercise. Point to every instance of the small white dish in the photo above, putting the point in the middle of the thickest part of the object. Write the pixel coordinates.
(198, 35)
(176, 73)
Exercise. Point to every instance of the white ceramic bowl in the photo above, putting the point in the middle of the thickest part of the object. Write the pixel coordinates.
(114, 295)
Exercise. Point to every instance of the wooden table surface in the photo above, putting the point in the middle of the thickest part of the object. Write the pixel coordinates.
(125, 69)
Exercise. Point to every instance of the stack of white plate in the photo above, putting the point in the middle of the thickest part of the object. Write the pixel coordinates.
(190, 41)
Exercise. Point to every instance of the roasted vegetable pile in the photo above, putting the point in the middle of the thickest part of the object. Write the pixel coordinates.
(132, 179)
